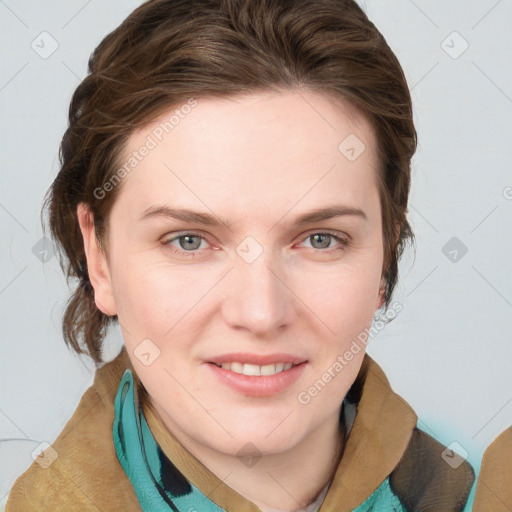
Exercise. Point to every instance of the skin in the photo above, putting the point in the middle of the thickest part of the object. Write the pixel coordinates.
(258, 161)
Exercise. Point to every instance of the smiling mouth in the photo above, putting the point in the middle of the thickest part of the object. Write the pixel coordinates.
(254, 370)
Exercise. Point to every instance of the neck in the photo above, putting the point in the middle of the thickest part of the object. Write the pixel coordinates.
(286, 481)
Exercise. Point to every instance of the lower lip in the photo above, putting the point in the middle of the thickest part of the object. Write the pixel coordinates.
(263, 385)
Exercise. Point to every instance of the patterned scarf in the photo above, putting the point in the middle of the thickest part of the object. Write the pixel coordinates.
(145, 464)
(159, 485)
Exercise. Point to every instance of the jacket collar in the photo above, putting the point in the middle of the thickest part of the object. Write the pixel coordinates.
(77, 480)
(367, 460)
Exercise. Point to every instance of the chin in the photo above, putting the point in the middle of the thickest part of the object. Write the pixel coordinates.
(264, 437)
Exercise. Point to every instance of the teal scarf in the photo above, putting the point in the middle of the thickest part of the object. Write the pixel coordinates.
(144, 462)
(158, 484)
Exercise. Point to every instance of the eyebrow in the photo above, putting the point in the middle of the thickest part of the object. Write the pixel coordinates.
(206, 219)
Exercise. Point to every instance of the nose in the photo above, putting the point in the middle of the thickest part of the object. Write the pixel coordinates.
(258, 297)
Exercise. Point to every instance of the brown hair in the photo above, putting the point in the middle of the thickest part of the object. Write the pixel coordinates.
(168, 51)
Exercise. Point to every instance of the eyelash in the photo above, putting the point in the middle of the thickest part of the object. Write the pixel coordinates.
(191, 254)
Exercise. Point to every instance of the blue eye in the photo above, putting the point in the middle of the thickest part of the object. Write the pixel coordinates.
(322, 237)
(190, 242)
(186, 242)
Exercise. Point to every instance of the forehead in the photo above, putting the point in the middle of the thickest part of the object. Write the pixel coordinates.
(270, 144)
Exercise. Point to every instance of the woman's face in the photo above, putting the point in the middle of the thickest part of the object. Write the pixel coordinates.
(268, 291)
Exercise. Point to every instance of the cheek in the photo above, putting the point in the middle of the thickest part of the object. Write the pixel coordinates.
(143, 296)
(152, 296)
(344, 298)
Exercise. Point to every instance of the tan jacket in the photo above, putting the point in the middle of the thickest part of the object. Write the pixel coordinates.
(87, 477)
(494, 489)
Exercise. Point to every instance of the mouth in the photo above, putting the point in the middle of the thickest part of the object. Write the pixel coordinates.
(254, 370)
(258, 375)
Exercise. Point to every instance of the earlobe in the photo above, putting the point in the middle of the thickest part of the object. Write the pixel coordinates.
(97, 267)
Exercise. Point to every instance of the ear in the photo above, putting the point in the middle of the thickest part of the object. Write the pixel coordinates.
(382, 293)
(383, 282)
(97, 267)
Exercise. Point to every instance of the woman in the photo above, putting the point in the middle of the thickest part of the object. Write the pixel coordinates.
(233, 191)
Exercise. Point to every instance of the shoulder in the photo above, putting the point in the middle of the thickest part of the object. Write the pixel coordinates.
(80, 470)
(494, 488)
(431, 476)
(389, 463)
(423, 473)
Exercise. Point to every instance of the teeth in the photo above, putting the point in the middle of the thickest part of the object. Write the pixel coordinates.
(251, 369)
(237, 367)
(268, 369)
(256, 370)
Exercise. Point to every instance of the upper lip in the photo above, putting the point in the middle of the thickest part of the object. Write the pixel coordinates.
(258, 359)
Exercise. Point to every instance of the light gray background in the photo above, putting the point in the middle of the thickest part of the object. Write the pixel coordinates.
(448, 353)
